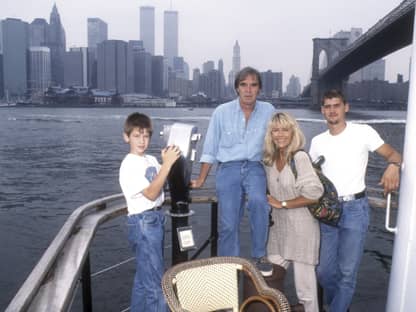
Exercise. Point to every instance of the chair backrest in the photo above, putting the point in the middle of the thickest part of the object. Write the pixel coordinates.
(212, 284)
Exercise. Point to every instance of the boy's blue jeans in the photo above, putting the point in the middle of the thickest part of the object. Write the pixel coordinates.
(146, 234)
(341, 252)
(235, 181)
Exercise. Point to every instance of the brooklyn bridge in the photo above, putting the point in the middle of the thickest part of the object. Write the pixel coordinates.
(389, 34)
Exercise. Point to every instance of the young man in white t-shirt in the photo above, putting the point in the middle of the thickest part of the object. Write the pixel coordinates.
(345, 147)
(141, 180)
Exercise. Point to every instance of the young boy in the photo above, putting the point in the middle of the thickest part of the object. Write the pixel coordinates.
(141, 180)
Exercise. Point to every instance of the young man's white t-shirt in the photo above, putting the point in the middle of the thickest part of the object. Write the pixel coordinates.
(136, 173)
(346, 155)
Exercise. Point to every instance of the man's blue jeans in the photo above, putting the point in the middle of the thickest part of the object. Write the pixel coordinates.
(146, 234)
(341, 252)
(235, 181)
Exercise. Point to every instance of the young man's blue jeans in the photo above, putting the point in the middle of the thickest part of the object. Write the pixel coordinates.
(341, 252)
(235, 181)
(145, 234)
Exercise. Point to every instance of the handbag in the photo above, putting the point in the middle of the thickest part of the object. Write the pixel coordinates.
(258, 298)
(328, 209)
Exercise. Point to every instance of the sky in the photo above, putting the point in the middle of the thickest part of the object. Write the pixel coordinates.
(272, 34)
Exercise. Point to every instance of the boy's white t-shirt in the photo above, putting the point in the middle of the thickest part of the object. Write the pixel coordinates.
(346, 155)
(136, 173)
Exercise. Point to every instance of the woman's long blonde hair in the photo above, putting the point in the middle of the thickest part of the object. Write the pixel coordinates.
(271, 151)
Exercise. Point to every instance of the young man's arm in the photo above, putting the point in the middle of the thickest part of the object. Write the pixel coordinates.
(391, 176)
(169, 155)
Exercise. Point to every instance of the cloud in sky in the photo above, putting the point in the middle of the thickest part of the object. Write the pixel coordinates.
(273, 34)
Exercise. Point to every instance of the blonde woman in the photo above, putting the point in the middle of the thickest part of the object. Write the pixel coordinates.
(294, 237)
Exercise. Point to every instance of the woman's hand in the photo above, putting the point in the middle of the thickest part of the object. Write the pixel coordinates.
(274, 202)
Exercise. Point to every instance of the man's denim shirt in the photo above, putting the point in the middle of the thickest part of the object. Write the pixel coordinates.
(229, 138)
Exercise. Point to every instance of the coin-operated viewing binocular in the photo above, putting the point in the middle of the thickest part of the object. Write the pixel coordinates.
(185, 136)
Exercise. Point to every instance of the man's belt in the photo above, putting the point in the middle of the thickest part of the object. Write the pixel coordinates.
(355, 196)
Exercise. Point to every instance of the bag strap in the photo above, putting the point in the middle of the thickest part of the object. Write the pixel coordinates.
(293, 164)
(260, 298)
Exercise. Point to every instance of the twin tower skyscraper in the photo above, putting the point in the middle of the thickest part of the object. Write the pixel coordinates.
(170, 32)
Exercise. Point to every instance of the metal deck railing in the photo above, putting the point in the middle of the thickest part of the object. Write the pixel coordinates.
(53, 282)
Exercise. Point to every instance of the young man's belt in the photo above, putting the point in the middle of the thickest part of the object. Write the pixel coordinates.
(352, 196)
(154, 208)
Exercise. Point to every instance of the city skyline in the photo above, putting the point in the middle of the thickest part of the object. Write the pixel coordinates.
(274, 35)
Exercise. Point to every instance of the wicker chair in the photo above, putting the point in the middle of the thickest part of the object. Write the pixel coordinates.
(212, 284)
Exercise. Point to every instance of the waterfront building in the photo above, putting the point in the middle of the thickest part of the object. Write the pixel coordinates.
(134, 47)
(57, 46)
(214, 84)
(147, 28)
(14, 46)
(111, 65)
(38, 33)
(293, 88)
(143, 100)
(178, 68)
(179, 87)
(1, 72)
(165, 76)
(157, 76)
(195, 80)
(375, 70)
(210, 84)
(39, 70)
(272, 84)
(185, 70)
(144, 73)
(170, 36)
(378, 94)
(76, 67)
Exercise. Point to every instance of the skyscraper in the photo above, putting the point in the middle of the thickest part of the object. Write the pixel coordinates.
(293, 88)
(57, 45)
(236, 65)
(236, 58)
(97, 32)
(157, 75)
(147, 28)
(222, 82)
(38, 32)
(14, 45)
(170, 36)
(39, 70)
(76, 67)
(111, 65)
(272, 84)
(208, 66)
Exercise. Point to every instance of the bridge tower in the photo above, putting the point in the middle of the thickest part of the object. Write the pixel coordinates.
(332, 48)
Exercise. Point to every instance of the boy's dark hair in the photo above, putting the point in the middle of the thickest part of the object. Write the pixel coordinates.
(333, 93)
(247, 71)
(137, 120)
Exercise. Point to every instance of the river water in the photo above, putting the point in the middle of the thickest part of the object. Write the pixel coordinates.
(52, 160)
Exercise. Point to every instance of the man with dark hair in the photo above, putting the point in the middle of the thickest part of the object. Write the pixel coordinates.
(345, 147)
(234, 141)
